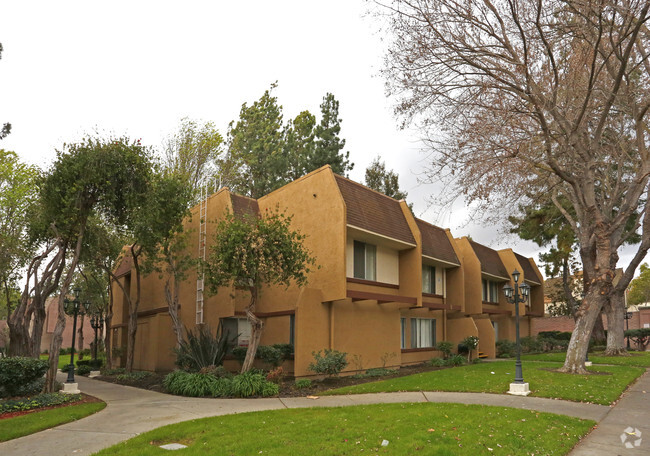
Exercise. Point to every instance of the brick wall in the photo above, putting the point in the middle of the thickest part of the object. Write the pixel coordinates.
(538, 324)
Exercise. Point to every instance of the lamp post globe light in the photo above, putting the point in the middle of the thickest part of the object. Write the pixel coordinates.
(73, 308)
(96, 322)
(518, 294)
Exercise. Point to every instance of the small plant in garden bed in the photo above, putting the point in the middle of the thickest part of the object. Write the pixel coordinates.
(302, 383)
(17, 372)
(132, 376)
(376, 372)
(331, 362)
(42, 400)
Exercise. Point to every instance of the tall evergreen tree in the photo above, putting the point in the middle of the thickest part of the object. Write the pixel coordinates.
(329, 145)
(299, 144)
(255, 163)
(386, 182)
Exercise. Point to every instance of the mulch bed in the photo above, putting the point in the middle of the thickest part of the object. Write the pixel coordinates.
(85, 399)
(154, 382)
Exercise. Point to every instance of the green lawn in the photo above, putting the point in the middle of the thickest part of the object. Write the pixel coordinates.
(64, 360)
(495, 377)
(12, 428)
(640, 359)
(424, 428)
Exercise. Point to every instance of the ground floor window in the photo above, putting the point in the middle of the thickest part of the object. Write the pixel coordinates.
(239, 327)
(292, 330)
(402, 323)
(423, 332)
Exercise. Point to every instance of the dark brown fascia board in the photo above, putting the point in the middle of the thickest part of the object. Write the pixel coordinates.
(379, 297)
(372, 283)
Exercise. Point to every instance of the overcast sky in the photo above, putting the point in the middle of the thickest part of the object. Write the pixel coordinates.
(138, 67)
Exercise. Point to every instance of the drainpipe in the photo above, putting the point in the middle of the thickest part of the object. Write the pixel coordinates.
(331, 316)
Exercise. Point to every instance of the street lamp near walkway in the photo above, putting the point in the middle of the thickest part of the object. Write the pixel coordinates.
(627, 316)
(74, 308)
(518, 294)
(96, 322)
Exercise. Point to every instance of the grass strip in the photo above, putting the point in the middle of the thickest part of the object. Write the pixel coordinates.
(12, 428)
(603, 386)
(423, 428)
(640, 359)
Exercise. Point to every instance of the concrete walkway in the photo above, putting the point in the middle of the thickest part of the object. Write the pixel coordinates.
(131, 411)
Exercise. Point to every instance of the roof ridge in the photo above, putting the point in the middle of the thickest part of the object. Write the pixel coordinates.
(366, 187)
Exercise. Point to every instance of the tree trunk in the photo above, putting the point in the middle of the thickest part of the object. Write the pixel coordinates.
(598, 333)
(38, 325)
(133, 313)
(57, 337)
(615, 310)
(586, 317)
(107, 322)
(173, 300)
(256, 332)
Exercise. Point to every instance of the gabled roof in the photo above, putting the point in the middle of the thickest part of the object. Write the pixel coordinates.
(125, 265)
(490, 261)
(374, 212)
(435, 243)
(528, 270)
(244, 206)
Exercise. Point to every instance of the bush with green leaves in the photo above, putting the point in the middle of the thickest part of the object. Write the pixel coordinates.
(18, 371)
(202, 348)
(84, 369)
(270, 355)
(94, 364)
(302, 383)
(505, 348)
(330, 362)
(455, 360)
(115, 371)
(376, 372)
(437, 362)
(192, 384)
(641, 337)
(42, 400)
(216, 371)
(130, 377)
(556, 335)
(530, 344)
(445, 347)
(286, 349)
(240, 353)
(253, 383)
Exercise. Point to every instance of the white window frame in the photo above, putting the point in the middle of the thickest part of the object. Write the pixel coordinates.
(369, 261)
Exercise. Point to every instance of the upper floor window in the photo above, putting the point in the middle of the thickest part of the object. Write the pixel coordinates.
(490, 291)
(429, 279)
(365, 261)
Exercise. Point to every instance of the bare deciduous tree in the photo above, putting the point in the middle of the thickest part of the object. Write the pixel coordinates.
(548, 94)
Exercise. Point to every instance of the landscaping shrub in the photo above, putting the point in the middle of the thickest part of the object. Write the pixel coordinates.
(19, 371)
(331, 362)
(271, 355)
(302, 383)
(471, 342)
(455, 360)
(505, 348)
(190, 384)
(133, 376)
(379, 372)
(27, 389)
(203, 349)
(445, 347)
(42, 400)
(275, 376)
(222, 387)
(557, 335)
(115, 371)
(216, 371)
(239, 353)
(530, 345)
(437, 362)
(84, 369)
(462, 349)
(286, 349)
(94, 364)
(641, 337)
(252, 383)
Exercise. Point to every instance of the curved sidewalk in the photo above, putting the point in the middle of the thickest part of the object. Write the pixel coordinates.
(131, 411)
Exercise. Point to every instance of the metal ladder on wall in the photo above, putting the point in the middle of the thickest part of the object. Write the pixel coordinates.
(200, 278)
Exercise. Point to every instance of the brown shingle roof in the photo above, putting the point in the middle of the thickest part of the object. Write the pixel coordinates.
(374, 212)
(528, 270)
(435, 243)
(490, 261)
(243, 206)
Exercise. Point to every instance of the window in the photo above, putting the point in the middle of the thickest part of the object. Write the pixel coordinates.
(239, 327)
(402, 323)
(292, 329)
(490, 291)
(365, 261)
(429, 279)
(423, 332)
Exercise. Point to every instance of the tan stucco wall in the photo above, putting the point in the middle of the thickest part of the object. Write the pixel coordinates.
(485, 336)
(471, 277)
(460, 328)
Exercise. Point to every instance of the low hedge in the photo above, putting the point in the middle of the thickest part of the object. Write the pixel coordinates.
(42, 400)
(16, 372)
(194, 384)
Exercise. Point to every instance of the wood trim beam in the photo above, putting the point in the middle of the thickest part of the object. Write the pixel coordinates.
(379, 297)
(372, 283)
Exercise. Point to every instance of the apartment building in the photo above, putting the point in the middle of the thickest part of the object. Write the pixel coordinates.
(389, 286)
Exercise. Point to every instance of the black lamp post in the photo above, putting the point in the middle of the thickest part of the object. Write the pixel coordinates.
(73, 308)
(627, 317)
(515, 296)
(96, 322)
